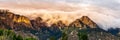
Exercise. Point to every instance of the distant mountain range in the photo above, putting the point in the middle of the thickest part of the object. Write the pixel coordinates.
(40, 29)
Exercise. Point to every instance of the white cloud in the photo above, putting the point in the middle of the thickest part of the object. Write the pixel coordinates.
(103, 12)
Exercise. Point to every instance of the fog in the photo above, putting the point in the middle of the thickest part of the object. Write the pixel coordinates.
(105, 15)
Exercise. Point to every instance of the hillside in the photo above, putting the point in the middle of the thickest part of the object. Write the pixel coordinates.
(80, 29)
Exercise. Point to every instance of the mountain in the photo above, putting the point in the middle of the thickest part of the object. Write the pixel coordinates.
(14, 21)
(101, 35)
(78, 23)
(59, 24)
(84, 22)
(82, 28)
(115, 31)
(87, 21)
(38, 23)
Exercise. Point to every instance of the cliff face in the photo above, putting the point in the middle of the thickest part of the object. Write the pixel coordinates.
(84, 22)
(87, 21)
(59, 24)
(38, 23)
(13, 20)
(21, 19)
(37, 27)
(78, 23)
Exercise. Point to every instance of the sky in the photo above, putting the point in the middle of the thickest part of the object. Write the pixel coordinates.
(106, 13)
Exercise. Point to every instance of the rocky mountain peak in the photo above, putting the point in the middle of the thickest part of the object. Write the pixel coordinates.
(14, 20)
(78, 23)
(38, 22)
(21, 19)
(83, 22)
(59, 24)
(86, 20)
(39, 19)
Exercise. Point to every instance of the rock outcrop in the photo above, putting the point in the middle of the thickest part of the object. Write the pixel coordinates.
(14, 21)
(83, 22)
(86, 20)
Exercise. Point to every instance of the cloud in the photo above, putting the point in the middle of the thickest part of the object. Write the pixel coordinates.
(104, 12)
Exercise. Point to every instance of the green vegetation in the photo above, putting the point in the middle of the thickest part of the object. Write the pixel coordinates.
(30, 38)
(82, 35)
(64, 36)
(52, 38)
(10, 35)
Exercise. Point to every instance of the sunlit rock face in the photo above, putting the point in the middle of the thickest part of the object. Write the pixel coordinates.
(13, 20)
(87, 21)
(84, 22)
(22, 19)
(41, 29)
(78, 23)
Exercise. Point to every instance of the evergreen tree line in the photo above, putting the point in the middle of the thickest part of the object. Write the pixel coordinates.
(10, 35)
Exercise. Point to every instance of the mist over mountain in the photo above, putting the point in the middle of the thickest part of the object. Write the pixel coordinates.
(61, 19)
(105, 13)
(104, 17)
(42, 30)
